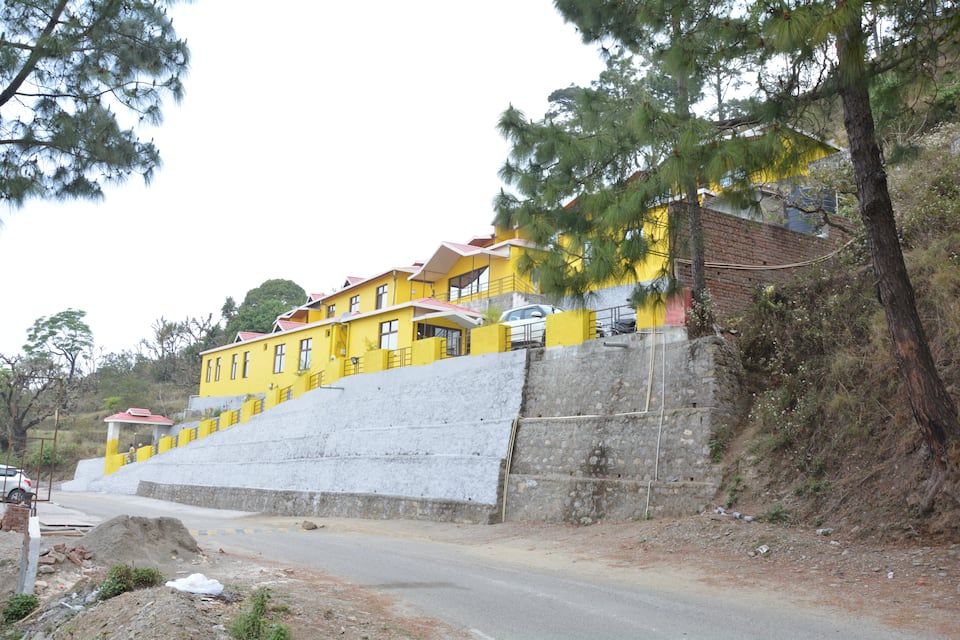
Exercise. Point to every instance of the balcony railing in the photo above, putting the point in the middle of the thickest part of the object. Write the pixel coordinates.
(315, 381)
(353, 366)
(500, 286)
(399, 358)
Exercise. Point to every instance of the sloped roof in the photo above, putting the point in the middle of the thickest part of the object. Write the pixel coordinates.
(243, 336)
(135, 415)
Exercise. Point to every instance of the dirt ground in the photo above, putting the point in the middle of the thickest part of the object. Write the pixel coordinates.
(912, 588)
(10, 545)
(309, 604)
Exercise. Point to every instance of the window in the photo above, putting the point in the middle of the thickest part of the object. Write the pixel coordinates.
(381, 296)
(209, 368)
(246, 364)
(306, 346)
(216, 372)
(233, 366)
(388, 334)
(331, 310)
(279, 355)
(355, 304)
(468, 284)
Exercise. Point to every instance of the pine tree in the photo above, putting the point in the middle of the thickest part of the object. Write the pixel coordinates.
(603, 163)
(76, 79)
(829, 48)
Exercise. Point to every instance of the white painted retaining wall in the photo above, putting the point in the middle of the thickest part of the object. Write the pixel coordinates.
(438, 432)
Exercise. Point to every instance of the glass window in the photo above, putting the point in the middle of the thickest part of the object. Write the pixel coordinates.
(331, 310)
(216, 372)
(209, 368)
(355, 304)
(452, 336)
(279, 356)
(233, 366)
(306, 346)
(381, 296)
(468, 284)
(246, 364)
(388, 334)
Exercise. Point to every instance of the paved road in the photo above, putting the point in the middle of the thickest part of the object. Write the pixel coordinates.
(496, 598)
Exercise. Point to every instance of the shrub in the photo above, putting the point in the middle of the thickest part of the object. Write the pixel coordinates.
(19, 606)
(253, 624)
(144, 577)
(776, 514)
(122, 578)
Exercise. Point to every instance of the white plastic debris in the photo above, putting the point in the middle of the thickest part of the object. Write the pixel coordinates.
(197, 583)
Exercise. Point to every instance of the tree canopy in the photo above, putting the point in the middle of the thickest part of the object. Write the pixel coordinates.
(262, 305)
(77, 79)
(62, 338)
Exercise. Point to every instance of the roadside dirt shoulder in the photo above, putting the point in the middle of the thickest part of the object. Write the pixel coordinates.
(913, 588)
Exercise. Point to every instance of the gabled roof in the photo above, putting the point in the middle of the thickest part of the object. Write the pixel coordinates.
(285, 325)
(134, 415)
(447, 255)
(243, 336)
(355, 281)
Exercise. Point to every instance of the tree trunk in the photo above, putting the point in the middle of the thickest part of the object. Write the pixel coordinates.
(933, 408)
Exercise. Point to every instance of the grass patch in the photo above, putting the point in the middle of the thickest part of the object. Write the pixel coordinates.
(253, 624)
(19, 606)
(122, 578)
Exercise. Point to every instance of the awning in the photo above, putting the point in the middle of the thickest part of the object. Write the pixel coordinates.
(461, 319)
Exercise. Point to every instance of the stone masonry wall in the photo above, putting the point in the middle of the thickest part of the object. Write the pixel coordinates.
(588, 446)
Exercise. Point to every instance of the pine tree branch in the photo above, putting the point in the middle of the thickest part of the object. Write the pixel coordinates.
(34, 59)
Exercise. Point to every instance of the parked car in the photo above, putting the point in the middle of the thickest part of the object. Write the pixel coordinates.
(16, 486)
(528, 324)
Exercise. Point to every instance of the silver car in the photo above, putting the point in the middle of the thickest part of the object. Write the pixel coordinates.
(16, 486)
(528, 324)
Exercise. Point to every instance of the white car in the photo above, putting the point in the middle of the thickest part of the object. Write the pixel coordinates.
(528, 324)
(16, 486)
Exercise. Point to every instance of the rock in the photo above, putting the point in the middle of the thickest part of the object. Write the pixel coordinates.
(748, 518)
(40, 584)
(56, 555)
(45, 568)
(75, 558)
(47, 560)
(889, 575)
(763, 550)
(307, 525)
(60, 547)
(737, 515)
(826, 531)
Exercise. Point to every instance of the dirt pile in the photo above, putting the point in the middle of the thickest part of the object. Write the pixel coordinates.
(141, 542)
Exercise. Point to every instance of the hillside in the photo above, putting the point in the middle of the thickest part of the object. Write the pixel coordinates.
(830, 439)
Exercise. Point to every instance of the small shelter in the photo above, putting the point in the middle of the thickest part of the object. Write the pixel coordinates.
(161, 426)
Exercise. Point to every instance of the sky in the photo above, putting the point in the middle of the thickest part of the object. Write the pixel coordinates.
(316, 140)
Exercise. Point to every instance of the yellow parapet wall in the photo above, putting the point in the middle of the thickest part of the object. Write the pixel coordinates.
(491, 338)
(571, 328)
(144, 453)
(113, 462)
(375, 360)
(427, 351)
(165, 443)
(184, 437)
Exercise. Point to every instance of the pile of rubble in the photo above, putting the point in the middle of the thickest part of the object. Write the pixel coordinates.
(60, 553)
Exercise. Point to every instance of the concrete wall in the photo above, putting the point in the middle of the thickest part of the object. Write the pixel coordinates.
(434, 434)
(586, 452)
(86, 472)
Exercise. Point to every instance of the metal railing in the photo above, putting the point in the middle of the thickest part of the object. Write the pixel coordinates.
(614, 321)
(525, 336)
(315, 381)
(500, 286)
(286, 393)
(399, 358)
(353, 366)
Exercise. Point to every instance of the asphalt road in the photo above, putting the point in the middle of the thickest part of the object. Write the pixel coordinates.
(504, 598)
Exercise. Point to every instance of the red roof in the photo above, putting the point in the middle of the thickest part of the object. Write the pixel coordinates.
(139, 416)
(433, 302)
(248, 335)
(288, 324)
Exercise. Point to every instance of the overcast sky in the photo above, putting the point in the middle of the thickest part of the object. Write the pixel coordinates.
(316, 140)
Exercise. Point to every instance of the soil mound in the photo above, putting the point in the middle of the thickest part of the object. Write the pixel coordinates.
(141, 541)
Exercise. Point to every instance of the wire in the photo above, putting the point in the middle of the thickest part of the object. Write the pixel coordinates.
(769, 267)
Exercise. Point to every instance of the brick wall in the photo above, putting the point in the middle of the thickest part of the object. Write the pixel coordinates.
(732, 240)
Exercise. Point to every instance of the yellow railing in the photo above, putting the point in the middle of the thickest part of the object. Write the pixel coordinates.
(315, 381)
(500, 286)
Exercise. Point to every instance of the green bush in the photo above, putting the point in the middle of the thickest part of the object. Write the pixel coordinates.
(144, 577)
(253, 624)
(19, 607)
(119, 580)
(122, 578)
